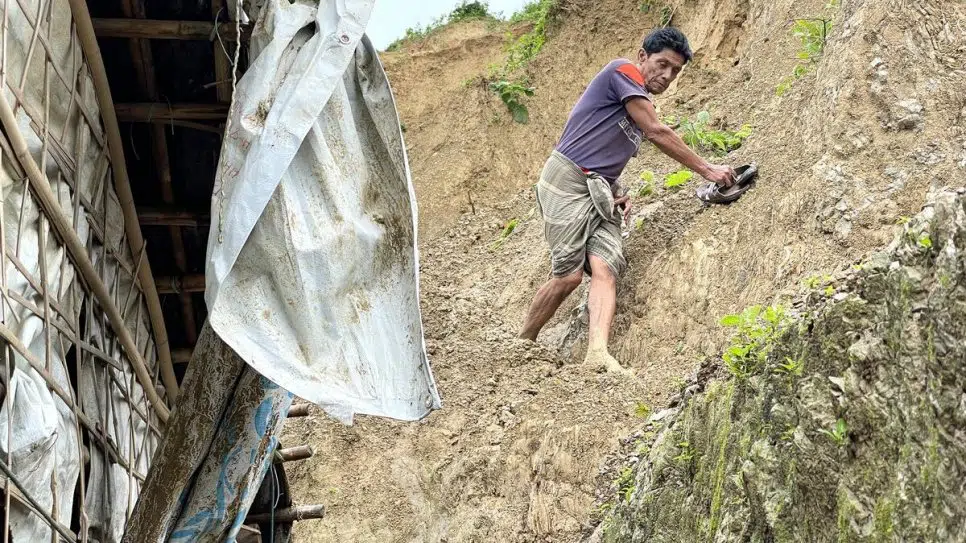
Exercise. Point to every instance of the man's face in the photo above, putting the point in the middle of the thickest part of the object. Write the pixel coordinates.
(660, 69)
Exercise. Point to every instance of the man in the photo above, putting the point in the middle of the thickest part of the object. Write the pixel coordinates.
(578, 194)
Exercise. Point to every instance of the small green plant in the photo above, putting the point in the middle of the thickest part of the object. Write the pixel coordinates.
(815, 281)
(512, 95)
(784, 86)
(812, 35)
(625, 483)
(838, 434)
(791, 367)
(667, 14)
(647, 184)
(687, 452)
(507, 231)
(677, 179)
(903, 220)
(644, 6)
(924, 241)
(642, 410)
(755, 332)
(700, 137)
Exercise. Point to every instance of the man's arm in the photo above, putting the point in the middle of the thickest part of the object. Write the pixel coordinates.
(668, 141)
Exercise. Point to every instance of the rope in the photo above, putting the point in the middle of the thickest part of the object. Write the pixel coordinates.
(234, 83)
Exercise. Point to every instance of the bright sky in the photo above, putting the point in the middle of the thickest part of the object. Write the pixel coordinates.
(391, 18)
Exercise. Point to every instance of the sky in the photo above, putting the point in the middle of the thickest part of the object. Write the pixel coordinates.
(391, 18)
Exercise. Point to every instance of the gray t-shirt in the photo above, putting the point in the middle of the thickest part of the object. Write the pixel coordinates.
(600, 135)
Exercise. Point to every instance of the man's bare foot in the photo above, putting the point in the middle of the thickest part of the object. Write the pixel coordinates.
(600, 358)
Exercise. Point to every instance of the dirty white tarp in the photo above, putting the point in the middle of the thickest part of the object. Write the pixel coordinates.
(312, 265)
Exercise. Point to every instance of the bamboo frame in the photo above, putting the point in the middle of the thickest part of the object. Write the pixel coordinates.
(88, 42)
(66, 262)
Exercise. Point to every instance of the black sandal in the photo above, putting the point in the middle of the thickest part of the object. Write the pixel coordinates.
(745, 177)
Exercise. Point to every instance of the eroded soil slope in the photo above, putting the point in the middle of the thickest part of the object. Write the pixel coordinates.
(515, 455)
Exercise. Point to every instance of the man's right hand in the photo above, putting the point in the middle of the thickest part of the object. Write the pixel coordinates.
(719, 174)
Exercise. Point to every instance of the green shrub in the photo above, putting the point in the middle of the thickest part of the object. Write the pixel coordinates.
(510, 87)
(512, 95)
(755, 332)
(470, 10)
(701, 138)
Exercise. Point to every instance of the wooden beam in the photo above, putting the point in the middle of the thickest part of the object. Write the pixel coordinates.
(143, 58)
(302, 452)
(185, 283)
(172, 217)
(152, 29)
(159, 111)
(290, 514)
(181, 356)
(299, 410)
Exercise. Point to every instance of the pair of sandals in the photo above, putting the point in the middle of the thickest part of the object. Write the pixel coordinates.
(745, 177)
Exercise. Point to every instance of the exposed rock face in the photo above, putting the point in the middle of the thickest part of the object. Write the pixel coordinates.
(866, 443)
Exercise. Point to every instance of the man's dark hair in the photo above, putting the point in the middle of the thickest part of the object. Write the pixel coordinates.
(668, 38)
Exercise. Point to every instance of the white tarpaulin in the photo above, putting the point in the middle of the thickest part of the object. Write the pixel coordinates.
(312, 266)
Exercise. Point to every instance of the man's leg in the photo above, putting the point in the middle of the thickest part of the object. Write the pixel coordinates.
(546, 302)
(602, 303)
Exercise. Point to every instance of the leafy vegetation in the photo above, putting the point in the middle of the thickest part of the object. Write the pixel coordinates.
(647, 184)
(625, 483)
(812, 35)
(507, 231)
(699, 135)
(519, 53)
(677, 179)
(512, 95)
(837, 434)
(755, 332)
(469, 10)
(642, 410)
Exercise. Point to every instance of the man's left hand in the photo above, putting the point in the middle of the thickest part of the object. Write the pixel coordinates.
(624, 204)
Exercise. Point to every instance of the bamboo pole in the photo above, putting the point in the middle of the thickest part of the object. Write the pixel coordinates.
(302, 452)
(176, 285)
(299, 410)
(74, 246)
(165, 30)
(122, 185)
(172, 217)
(290, 514)
(142, 112)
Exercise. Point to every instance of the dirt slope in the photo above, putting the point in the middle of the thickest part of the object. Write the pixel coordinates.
(515, 454)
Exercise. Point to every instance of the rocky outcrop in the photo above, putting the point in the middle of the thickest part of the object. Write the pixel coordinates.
(845, 421)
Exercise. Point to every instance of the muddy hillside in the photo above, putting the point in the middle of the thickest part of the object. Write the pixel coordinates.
(854, 111)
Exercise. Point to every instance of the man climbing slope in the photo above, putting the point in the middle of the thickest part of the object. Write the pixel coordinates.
(578, 194)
